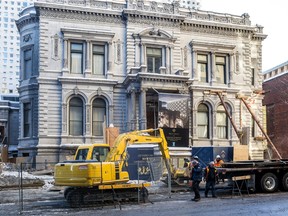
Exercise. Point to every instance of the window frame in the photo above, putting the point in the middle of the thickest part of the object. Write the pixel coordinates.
(27, 118)
(95, 122)
(206, 63)
(222, 126)
(74, 51)
(154, 57)
(80, 121)
(27, 72)
(104, 56)
(223, 65)
(207, 123)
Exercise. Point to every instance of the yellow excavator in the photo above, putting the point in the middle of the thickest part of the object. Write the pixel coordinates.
(98, 173)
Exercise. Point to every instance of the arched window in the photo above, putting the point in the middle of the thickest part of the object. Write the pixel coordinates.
(98, 116)
(203, 121)
(222, 123)
(76, 117)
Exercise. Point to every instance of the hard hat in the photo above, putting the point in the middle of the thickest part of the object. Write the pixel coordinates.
(218, 156)
(211, 163)
(195, 157)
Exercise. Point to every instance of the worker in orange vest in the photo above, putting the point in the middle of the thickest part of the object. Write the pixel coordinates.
(218, 162)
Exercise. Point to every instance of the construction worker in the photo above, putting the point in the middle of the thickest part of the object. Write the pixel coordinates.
(218, 162)
(196, 177)
(210, 176)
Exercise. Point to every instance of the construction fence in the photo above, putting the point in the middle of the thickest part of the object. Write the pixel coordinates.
(33, 190)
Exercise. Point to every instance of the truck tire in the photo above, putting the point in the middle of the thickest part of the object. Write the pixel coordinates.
(269, 183)
(285, 182)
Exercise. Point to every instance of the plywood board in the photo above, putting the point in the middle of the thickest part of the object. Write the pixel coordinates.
(241, 153)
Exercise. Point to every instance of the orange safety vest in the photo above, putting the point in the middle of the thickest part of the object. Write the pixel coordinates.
(218, 163)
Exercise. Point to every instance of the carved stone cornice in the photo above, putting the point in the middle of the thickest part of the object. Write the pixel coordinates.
(89, 81)
(152, 77)
(144, 17)
(79, 15)
(26, 20)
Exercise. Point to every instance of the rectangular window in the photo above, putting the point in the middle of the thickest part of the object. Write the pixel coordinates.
(221, 69)
(221, 125)
(76, 120)
(26, 119)
(202, 125)
(202, 64)
(27, 63)
(154, 60)
(252, 76)
(98, 59)
(76, 58)
(98, 121)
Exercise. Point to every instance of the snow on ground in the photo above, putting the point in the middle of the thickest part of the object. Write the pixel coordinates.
(10, 177)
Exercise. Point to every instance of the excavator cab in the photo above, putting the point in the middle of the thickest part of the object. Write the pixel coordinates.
(96, 152)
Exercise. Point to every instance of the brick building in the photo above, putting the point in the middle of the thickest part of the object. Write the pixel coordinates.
(275, 100)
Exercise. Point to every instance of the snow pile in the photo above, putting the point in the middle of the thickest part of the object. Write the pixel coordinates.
(10, 177)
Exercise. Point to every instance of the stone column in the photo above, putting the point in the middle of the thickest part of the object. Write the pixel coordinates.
(64, 119)
(142, 103)
(142, 54)
(65, 50)
(231, 68)
(195, 74)
(213, 67)
(88, 131)
(110, 57)
(168, 60)
(133, 109)
(88, 58)
(137, 54)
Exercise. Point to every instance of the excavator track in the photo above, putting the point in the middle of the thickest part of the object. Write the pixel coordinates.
(82, 197)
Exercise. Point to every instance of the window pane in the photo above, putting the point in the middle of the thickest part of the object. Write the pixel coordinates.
(98, 117)
(202, 66)
(76, 58)
(202, 121)
(76, 117)
(27, 119)
(150, 65)
(76, 63)
(202, 58)
(221, 121)
(220, 73)
(98, 64)
(99, 49)
(154, 59)
(27, 64)
(158, 62)
(76, 47)
(221, 69)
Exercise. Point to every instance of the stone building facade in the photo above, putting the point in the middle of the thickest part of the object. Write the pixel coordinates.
(88, 64)
(275, 100)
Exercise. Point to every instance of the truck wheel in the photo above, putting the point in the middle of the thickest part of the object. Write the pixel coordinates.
(285, 182)
(269, 183)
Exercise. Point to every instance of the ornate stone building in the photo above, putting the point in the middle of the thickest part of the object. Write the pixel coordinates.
(88, 64)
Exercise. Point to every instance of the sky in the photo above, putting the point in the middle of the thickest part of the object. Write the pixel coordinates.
(272, 15)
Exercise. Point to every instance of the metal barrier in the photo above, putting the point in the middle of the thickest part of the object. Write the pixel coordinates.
(36, 192)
